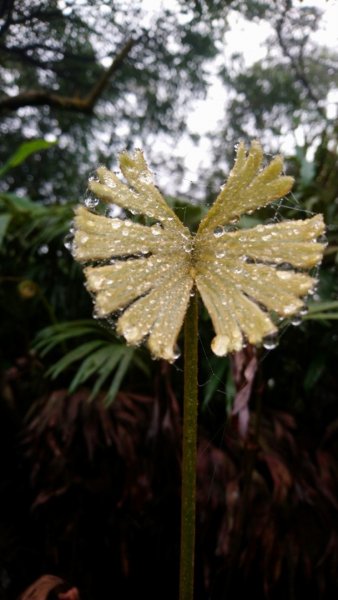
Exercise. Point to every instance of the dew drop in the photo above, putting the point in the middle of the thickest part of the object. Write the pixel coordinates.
(270, 341)
(296, 320)
(304, 311)
(220, 253)
(220, 345)
(156, 230)
(218, 231)
(322, 240)
(131, 334)
(284, 275)
(145, 178)
(68, 241)
(176, 353)
(44, 249)
(116, 224)
(90, 201)
(113, 211)
(285, 266)
(289, 309)
(93, 178)
(110, 182)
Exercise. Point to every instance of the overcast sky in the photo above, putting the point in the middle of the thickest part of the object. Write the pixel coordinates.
(249, 39)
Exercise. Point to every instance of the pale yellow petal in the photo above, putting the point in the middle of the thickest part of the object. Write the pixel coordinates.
(159, 315)
(228, 333)
(140, 196)
(174, 304)
(232, 312)
(101, 238)
(247, 188)
(147, 276)
(292, 242)
(146, 272)
(275, 289)
(118, 284)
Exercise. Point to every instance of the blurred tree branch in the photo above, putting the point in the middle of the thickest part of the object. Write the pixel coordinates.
(6, 9)
(297, 65)
(80, 104)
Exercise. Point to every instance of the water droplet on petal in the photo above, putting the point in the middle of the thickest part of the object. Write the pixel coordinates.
(93, 178)
(145, 178)
(284, 275)
(131, 334)
(289, 309)
(296, 320)
(113, 211)
(220, 345)
(176, 353)
(218, 231)
(285, 266)
(220, 253)
(68, 241)
(322, 239)
(116, 224)
(90, 201)
(270, 341)
(156, 230)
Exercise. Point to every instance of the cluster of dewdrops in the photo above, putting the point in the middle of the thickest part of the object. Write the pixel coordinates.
(115, 212)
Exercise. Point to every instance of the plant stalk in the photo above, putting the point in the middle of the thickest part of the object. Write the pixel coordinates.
(189, 452)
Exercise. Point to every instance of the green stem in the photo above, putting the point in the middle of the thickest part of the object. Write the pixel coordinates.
(189, 452)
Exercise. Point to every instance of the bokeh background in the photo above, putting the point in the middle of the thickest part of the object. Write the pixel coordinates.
(90, 429)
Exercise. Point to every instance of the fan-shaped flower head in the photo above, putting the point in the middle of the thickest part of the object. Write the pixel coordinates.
(145, 272)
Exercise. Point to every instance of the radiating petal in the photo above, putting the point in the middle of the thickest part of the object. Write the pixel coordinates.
(293, 242)
(140, 196)
(228, 333)
(118, 284)
(145, 273)
(231, 311)
(101, 238)
(275, 289)
(247, 188)
(158, 315)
